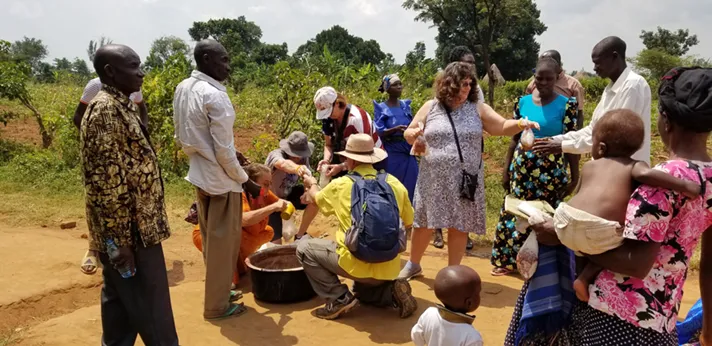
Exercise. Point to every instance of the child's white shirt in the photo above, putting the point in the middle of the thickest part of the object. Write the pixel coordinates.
(433, 330)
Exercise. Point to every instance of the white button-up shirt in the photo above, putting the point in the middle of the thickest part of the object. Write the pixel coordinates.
(630, 91)
(203, 119)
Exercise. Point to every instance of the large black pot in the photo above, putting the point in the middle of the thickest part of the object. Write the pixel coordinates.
(278, 277)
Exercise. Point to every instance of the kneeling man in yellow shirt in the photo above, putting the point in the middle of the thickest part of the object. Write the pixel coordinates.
(371, 267)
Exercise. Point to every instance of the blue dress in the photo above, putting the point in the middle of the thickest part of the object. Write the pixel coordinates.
(400, 163)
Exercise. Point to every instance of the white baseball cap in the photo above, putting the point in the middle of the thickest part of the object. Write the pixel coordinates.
(324, 102)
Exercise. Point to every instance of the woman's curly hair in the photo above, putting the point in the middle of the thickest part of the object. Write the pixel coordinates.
(449, 82)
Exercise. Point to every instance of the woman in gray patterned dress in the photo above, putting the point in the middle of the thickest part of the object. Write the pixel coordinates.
(437, 193)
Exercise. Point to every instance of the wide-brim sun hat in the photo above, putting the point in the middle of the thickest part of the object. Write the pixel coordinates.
(324, 102)
(297, 145)
(360, 148)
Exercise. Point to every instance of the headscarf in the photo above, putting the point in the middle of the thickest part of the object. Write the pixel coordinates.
(387, 81)
(685, 96)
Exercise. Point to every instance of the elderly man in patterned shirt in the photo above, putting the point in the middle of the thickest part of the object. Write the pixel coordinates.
(125, 204)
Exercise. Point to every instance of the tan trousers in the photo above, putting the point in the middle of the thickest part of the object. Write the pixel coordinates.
(220, 220)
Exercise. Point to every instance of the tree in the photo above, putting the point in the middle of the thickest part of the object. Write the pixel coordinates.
(240, 37)
(494, 29)
(164, 48)
(352, 49)
(676, 43)
(655, 62)
(62, 64)
(270, 54)
(30, 50)
(94, 45)
(14, 76)
(79, 66)
(416, 56)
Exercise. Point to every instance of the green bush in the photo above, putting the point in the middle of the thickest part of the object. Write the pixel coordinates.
(594, 87)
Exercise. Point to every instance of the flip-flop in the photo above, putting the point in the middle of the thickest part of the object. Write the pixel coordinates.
(233, 311)
(235, 295)
(500, 272)
(89, 261)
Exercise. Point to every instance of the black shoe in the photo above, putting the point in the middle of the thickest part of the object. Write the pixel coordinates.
(470, 245)
(438, 241)
(335, 309)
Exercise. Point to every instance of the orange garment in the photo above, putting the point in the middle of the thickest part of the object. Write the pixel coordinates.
(252, 236)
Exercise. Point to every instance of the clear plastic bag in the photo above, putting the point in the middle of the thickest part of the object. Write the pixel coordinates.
(323, 178)
(528, 257)
(527, 139)
(420, 141)
(289, 229)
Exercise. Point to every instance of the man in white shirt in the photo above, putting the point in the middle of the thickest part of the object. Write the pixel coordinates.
(204, 118)
(92, 89)
(627, 90)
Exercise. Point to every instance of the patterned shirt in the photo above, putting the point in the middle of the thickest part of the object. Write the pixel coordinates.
(677, 223)
(124, 189)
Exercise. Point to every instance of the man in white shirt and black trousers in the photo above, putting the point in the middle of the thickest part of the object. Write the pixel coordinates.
(204, 119)
(627, 90)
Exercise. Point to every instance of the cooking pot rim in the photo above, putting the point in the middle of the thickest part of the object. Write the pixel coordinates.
(253, 267)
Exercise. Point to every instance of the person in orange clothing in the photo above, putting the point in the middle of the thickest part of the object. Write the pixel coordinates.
(256, 209)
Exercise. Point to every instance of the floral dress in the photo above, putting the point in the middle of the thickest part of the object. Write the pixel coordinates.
(648, 308)
(624, 310)
(534, 176)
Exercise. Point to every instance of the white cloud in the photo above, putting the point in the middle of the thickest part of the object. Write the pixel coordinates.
(26, 10)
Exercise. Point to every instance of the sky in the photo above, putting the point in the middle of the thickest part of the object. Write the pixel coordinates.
(574, 26)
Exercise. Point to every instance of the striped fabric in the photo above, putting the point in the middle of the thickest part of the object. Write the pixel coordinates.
(550, 297)
(359, 121)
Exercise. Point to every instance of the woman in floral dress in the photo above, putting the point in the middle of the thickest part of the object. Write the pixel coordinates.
(531, 176)
(636, 299)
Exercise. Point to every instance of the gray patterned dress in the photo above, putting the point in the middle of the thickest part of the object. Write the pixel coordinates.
(437, 193)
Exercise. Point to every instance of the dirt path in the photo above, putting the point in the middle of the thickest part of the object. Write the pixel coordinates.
(47, 301)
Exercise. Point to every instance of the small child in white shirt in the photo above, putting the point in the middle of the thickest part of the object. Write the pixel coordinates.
(458, 289)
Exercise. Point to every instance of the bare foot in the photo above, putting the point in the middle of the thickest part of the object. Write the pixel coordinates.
(581, 289)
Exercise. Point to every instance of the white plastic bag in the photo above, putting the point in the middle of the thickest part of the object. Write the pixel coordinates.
(528, 257)
(323, 178)
(420, 141)
(289, 229)
(527, 139)
(267, 246)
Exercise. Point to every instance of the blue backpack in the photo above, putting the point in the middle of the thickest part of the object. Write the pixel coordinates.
(376, 234)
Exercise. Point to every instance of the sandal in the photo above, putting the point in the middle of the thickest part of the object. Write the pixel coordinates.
(89, 264)
(500, 272)
(438, 241)
(233, 310)
(235, 295)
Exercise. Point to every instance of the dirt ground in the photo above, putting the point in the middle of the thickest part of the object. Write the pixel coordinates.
(48, 301)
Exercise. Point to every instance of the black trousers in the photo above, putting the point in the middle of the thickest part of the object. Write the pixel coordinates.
(140, 305)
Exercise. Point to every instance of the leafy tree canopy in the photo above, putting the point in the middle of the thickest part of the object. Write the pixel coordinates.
(675, 43)
(497, 31)
(163, 48)
(351, 48)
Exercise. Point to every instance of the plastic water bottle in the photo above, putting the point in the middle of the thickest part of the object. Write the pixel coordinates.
(113, 251)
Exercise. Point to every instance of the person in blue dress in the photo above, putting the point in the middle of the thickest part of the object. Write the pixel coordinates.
(531, 176)
(392, 118)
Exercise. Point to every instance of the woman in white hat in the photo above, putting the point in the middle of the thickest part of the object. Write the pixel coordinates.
(339, 121)
(289, 163)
